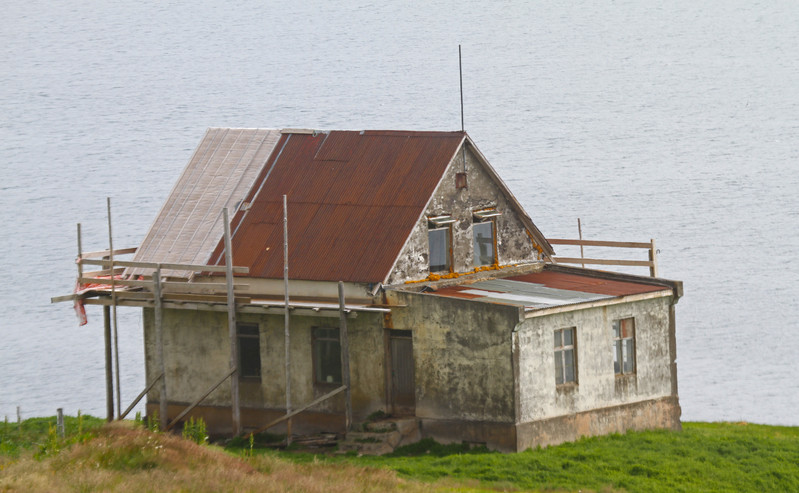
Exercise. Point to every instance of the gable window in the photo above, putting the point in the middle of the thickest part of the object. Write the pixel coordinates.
(624, 346)
(565, 358)
(326, 355)
(438, 235)
(483, 231)
(249, 343)
(483, 243)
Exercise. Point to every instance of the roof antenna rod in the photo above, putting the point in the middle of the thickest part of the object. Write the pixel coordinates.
(460, 70)
(463, 128)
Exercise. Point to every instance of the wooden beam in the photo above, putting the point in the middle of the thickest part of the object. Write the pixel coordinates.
(80, 252)
(109, 362)
(114, 307)
(296, 412)
(345, 357)
(163, 417)
(167, 266)
(106, 253)
(105, 272)
(139, 397)
(617, 244)
(653, 259)
(286, 333)
(170, 286)
(198, 401)
(66, 297)
(601, 261)
(231, 321)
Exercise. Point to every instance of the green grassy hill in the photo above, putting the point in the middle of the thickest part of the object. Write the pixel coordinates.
(730, 457)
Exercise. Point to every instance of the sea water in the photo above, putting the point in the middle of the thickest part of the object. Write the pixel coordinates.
(676, 122)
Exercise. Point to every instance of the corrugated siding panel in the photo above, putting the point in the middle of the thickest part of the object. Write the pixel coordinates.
(585, 284)
(353, 198)
(545, 289)
(219, 174)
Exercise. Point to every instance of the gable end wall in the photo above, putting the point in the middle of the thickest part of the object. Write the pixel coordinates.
(513, 243)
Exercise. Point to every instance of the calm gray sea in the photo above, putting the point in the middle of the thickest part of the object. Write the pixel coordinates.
(677, 121)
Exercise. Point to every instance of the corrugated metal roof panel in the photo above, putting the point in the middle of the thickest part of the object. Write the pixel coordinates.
(353, 199)
(219, 174)
(545, 289)
(586, 284)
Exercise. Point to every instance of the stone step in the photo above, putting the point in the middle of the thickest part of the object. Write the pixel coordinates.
(382, 437)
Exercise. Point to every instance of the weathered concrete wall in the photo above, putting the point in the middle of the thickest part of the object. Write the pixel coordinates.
(197, 354)
(597, 385)
(513, 243)
(642, 415)
(462, 356)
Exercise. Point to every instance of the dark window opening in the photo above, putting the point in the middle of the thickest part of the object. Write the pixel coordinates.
(326, 355)
(249, 350)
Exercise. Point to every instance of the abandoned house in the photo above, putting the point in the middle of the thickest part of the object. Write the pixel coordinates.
(414, 285)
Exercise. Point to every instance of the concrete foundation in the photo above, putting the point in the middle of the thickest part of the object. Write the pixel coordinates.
(661, 413)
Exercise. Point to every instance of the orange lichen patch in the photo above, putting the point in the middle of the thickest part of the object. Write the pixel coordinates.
(535, 245)
(455, 275)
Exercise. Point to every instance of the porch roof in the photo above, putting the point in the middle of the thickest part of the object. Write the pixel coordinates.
(547, 289)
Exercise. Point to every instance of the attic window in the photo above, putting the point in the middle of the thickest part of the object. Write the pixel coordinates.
(484, 245)
(484, 232)
(439, 239)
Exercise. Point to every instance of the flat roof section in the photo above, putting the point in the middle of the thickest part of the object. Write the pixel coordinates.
(545, 290)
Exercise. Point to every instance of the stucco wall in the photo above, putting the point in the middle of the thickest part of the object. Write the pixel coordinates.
(462, 356)
(197, 354)
(597, 386)
(513, 243)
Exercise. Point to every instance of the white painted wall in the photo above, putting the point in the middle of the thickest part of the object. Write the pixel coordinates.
(597, 386)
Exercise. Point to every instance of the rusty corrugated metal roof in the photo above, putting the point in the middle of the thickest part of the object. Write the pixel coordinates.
(587, 284)
(353, 199)
(546, 289)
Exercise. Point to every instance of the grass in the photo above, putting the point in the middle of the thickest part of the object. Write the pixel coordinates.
(40, 435)
(124, 457)
(720, 457)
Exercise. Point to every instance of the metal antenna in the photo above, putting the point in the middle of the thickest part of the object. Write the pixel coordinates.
(460, 70)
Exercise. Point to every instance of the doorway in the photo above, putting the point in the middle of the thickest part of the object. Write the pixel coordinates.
(402, 393)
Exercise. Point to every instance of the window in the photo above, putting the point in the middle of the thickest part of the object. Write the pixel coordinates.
(624, 346)
(249, 350)
(483, 243)
(565, 360)
(326, 355)
(439, 239)
(483, 230)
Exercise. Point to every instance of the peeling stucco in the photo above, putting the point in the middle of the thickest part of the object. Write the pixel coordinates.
(197, 354)
(514, 245)
(597, 385)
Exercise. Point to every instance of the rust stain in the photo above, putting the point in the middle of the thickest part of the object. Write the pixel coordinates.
(353, 199)
(572, 282)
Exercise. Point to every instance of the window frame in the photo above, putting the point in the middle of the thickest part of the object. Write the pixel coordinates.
(494, 259)
(620, 349)
(249, 339)
(444, 224)
(316, 340)
(560, 352)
